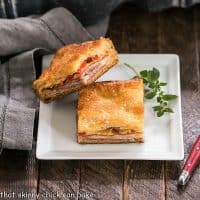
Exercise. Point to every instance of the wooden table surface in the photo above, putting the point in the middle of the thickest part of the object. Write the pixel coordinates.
(132, 31)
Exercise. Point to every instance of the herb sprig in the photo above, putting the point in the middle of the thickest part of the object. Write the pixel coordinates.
(153, 89)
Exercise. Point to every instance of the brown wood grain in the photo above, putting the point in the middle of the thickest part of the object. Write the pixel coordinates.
(103, 179)
(178, 34)
(138, 33)
(18, 174)
(59, 180)
(144, 180)
(134, 31)
(197, 36)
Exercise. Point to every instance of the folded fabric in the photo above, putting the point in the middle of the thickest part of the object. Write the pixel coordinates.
(46, 33)
(18, 102)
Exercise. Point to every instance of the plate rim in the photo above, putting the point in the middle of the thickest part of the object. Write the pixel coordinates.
(174, 156)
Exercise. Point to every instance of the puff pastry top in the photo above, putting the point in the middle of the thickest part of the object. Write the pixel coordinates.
(106, 105)
(68, 59)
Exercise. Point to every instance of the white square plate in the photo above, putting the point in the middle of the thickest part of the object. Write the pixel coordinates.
(163, 136)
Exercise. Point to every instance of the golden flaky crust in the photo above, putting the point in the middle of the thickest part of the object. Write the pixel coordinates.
(67, 61)
(111, 112)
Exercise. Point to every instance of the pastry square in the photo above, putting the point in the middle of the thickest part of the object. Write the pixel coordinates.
(75, 66)
(111, 112)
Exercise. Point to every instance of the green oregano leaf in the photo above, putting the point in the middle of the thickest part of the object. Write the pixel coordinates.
(169, 97)
(153, 90)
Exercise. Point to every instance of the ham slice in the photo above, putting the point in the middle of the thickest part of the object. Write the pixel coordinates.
(92, 69)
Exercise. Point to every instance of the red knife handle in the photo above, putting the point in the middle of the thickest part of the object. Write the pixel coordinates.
(193, 158)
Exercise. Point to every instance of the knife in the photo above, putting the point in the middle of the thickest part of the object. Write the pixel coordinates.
(191, 163)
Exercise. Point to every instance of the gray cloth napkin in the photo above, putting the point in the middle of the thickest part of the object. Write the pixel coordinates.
(18, 103)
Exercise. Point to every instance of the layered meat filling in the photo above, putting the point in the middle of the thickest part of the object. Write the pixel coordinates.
(85, 74)
(92, 69)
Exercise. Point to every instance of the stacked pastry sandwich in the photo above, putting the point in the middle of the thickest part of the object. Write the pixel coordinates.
(108, 112)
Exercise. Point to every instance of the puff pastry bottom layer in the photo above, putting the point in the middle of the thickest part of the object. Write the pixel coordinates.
(101, 139)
